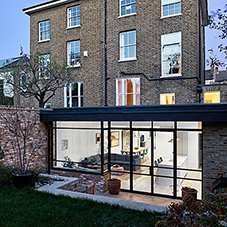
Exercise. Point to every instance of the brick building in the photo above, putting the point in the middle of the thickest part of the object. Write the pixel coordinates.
(123, 52)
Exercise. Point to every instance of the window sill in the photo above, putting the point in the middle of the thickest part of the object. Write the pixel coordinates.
(174, 15)
(128, 59)
(73, 66)
(43, 41)
(171, 75)
(132, 14)
(77, 26)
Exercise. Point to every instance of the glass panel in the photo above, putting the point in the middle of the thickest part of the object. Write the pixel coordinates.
(141, 124)
(137, 84)
(78, 146)
(142, 183)
(105, 124)
(167, 99)
(129, 99)
(163, 186)
(137, 99)
(163, 124)
(125, 180)
(119, 86)
(75, 102)
(187, 174)
(78, 124)
(81, 89)
(189, 152)
(132, 37)
(119, 97)
(163, 149)
(120, 124)
(171, 59)
(189, 124)
(132, 51)
(74, 89)
(82, 101)
(212, 97)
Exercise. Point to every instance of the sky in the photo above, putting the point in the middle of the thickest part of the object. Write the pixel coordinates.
(14, 27)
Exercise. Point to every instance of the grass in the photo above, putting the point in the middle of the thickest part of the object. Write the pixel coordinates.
(27, 207)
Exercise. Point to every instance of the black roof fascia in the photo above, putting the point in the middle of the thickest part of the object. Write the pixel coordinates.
(178, 112)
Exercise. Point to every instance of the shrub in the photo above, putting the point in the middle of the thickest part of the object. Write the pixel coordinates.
(5, 175)
(194, 213)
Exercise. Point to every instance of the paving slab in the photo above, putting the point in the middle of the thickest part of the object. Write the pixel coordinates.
(123, 199)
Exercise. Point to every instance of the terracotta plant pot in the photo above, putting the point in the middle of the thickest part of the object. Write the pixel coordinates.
(193, 194)
(114, 186)
(23, 180)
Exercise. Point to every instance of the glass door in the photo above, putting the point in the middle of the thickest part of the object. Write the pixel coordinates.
(163, 162)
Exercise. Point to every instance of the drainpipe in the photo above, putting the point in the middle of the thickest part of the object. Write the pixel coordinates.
(105, 55)
(200, 54)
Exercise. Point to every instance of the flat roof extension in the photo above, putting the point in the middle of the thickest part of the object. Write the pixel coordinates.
(177, 112)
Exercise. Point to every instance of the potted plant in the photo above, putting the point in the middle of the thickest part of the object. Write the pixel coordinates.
(94, 161)
(22, 127)
(68, 162)
(189, 191)
(114, 186)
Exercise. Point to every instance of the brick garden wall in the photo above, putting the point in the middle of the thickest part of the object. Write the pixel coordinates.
(214, 152)
(39, 158)
(101, 181)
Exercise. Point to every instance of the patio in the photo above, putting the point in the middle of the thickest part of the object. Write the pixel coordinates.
(125, 199)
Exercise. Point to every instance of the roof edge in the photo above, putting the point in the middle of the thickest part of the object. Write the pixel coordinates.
(46, 5)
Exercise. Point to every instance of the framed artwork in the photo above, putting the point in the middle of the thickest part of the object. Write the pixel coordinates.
(98, 137)
(115, 139)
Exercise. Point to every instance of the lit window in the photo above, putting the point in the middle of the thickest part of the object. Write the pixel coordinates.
(166, 99)
(171, 54)
(73, 95)
(74, 53)
(171, 7)
(127, 7)
(128, 92)
(44, 30)
(44, 66)
(212, 97)
(128, 45)
(74, 16)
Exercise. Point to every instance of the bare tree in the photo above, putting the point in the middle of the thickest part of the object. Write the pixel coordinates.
(36, 76)
(22, 129)
(218, 21)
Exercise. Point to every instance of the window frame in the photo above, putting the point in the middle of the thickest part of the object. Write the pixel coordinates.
(167, 4)
(40, 32)
(167, 94)
(68, 53)
(79, 96)
(206, 92)
(176, 40)
(127, 45)
(123, 93)
(120, 6)
(70, 17)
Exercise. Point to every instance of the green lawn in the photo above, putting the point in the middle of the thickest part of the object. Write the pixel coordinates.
(27, 207)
